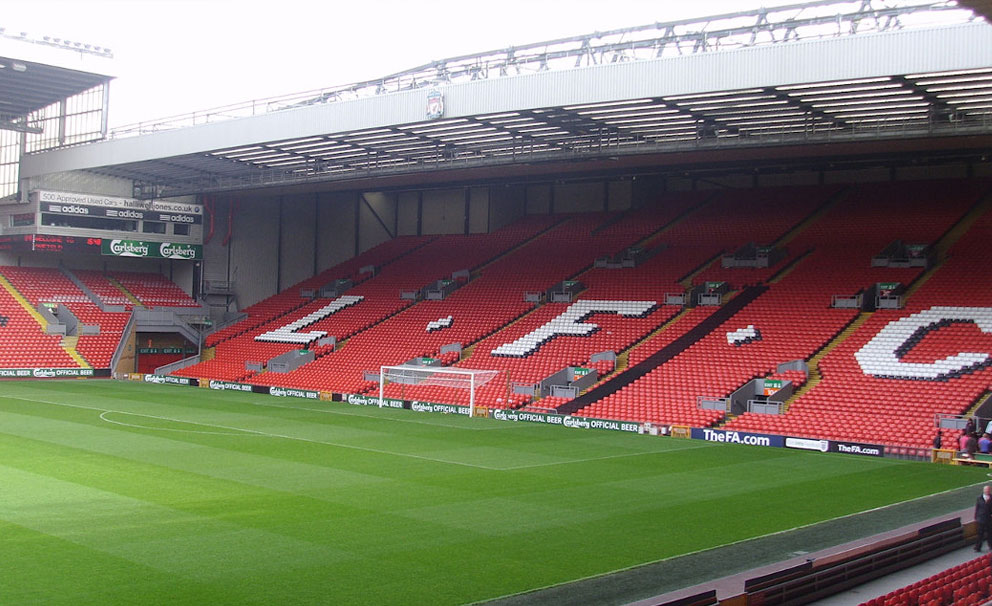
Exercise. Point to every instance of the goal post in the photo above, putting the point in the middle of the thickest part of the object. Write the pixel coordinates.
(439, 376)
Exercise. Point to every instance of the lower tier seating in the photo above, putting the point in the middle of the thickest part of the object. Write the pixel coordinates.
(23, 344)
(45, 284)
(966, 584)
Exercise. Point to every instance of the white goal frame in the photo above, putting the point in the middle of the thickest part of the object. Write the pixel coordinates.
(476, 378)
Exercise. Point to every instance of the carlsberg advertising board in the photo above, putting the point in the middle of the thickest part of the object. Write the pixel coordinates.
(563, 420)
(45, 373)
(153, 250)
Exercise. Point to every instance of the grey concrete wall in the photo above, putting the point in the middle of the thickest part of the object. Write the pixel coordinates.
(182, 275)
(805, 177)
(865, 175)
(478, 210)
(620, 195)
(579, 197)
(952, 171)
(297, 239)
(386, 207)
(216, 256)
(538, 199)
(506, 205)
(336, 229)
(370, 231)
(406, 208)
(254, 250)
(739, 181)
(444, 211)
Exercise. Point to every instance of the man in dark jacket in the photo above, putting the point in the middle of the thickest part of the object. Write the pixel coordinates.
(983, 516)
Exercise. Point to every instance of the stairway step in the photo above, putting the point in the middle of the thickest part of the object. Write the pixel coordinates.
(814, 363)
(666, 353)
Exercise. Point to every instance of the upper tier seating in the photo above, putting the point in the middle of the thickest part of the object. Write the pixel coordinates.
(380, 296)
(851, 403)
(794, 317)
(288, 300)
(153, 290)
(107, 292)
(699, 237)
(487, 303)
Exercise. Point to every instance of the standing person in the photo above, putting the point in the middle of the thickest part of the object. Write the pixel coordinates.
(983, 517)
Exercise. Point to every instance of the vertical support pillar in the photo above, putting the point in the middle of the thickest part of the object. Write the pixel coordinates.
(358, 223)
(316, 232)
(279, 247)
(62, 112)
(396, 214)
(420, 213)
(103, 113)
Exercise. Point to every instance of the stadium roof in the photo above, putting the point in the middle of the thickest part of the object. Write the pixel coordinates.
(37, 72)
(618, 109)
(26, 86)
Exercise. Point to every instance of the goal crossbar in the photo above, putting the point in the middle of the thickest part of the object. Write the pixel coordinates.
(441, 376)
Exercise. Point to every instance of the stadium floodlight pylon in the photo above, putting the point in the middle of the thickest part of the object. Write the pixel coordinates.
(440, 376)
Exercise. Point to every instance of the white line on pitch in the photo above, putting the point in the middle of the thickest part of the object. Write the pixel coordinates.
(332, 411)
(603, 458)
(339, 445)
(261, 433)
(103, 417)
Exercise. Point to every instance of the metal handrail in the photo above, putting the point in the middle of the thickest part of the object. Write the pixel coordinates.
(775, 25)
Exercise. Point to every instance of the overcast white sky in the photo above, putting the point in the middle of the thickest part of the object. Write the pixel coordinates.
(177, 56)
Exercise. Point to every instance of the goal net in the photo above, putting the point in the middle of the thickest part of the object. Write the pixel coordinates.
(416, 377)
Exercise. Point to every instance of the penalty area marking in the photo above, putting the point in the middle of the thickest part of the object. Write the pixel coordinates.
(103, 417)
(261, 433)
(244, 431)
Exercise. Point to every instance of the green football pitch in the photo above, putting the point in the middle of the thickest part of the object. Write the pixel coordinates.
(126, 493)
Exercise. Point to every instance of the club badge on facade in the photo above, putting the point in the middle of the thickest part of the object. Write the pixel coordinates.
(435, 104)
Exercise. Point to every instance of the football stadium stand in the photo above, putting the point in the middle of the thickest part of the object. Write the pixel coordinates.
(49, 285)
(773, 222)
(549, 292)
(794, 317)
(95, 328)
(370, 302)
